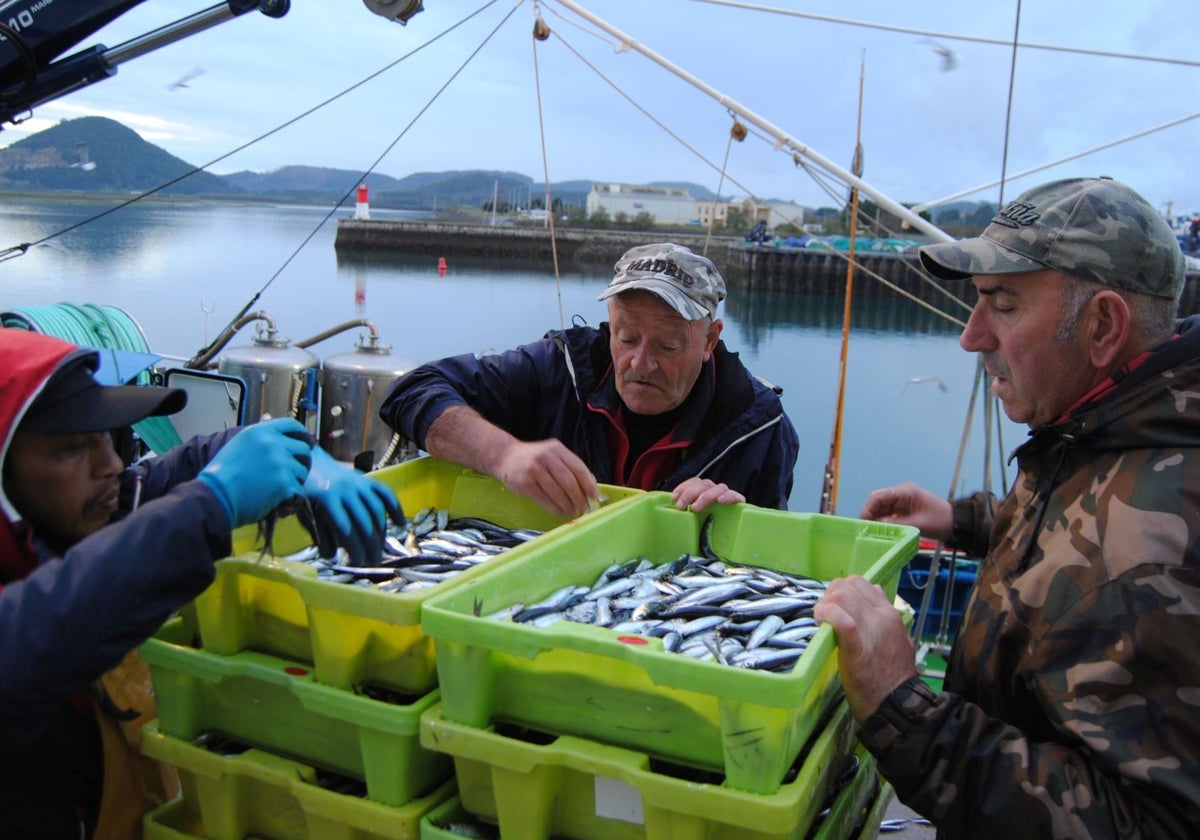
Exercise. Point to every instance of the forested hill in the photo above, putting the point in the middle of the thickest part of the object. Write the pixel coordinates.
(99, 155)
(96, 154)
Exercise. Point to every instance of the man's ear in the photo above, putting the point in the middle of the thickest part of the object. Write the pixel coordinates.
(1109, 328)
(711, 336)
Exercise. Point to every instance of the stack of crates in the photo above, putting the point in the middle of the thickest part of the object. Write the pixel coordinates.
(574, 731)
(291, 705)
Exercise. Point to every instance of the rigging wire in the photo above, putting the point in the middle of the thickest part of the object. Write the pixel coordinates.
(712, 217)
(951, 36)
(17, 250)
(540, 32)
(721, 169)
(223, 336)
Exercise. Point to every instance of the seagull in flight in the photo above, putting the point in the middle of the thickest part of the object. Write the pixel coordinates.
(932, 380)
(949, 59)
(183, 80)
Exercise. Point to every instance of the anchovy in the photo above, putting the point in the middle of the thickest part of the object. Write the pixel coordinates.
(700, 606)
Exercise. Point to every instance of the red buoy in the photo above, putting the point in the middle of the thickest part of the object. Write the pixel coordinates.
(441, 266)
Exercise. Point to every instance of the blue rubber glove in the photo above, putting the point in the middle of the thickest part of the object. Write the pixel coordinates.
(261, 467)
(351, 509)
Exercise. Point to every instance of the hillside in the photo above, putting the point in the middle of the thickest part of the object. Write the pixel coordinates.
(95, 154)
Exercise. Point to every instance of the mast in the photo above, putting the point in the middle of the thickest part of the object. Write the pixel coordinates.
(829, 490)
(780, 137)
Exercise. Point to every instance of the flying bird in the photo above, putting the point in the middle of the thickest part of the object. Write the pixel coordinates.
(932, 380)
(82, 161)
(183, 80)
(949, 59)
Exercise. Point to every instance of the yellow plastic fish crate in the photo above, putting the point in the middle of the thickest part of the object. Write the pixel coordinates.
(274, 704)
(574, 679)
(571, 787)
(259, 794)
(355, 635)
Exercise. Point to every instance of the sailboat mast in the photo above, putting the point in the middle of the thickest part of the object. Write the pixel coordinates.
(780, 137)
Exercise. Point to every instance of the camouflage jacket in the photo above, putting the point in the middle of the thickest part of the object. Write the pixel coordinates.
(1072, 697)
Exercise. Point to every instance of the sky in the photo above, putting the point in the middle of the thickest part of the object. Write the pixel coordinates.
(947, 104)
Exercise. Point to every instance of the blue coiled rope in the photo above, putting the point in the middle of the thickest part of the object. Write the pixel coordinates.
(89, 325)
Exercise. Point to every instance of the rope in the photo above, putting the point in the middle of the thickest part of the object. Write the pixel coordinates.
(106, 327)
(712, 217)
(540, 35)
(926, 278)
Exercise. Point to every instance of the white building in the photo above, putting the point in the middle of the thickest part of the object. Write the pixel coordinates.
(668, 205)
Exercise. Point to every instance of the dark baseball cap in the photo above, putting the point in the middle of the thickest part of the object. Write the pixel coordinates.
(689, 283)
(73, 402)
(1094, 228)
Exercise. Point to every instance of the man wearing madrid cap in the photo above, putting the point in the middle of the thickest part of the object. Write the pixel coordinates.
(650, 399)
(94, 556)
(1070, 706)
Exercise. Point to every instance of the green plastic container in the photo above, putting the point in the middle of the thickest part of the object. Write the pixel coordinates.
(572, 679)
(875, 814)
(277, 705)
(351, 634)
(261, 794)
(853, 806)
(571, 787)
(176, 820)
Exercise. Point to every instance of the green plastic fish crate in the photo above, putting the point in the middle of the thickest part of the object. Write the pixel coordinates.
(351, 634)
(274, 704)
(849, 812)
(571, 787)
(176, 820)
(572, 679)
(259, 794)
(876, 813)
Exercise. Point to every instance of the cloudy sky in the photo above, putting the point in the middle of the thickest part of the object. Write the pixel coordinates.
(937, 79)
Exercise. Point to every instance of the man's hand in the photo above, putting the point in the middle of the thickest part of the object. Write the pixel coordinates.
(550, 474)
(875, 653)
(698, 493)
(908, 504)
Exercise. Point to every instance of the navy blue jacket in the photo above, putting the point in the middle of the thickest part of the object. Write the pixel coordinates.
(75, 616)
(562, 387)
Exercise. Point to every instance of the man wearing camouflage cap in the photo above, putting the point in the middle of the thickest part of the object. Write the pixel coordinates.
(651, 399)
(1072, 694)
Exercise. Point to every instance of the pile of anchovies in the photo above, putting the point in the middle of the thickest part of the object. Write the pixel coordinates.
(699, 605)
(430, 548)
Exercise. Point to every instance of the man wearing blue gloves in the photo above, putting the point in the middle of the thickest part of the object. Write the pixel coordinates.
(95, 556)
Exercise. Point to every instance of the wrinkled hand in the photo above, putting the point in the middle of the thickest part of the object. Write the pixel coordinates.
(258, 469)
(699, 493)
(351, 509)
(875, 653)
(908, 504)
(550, 474)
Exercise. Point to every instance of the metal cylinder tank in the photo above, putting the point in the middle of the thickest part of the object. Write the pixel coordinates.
(280, 379)
(352, 387)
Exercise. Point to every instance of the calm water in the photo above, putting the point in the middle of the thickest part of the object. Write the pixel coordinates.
(183, 271)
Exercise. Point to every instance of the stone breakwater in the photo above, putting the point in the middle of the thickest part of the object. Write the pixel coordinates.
(529, 244)
(746, 267)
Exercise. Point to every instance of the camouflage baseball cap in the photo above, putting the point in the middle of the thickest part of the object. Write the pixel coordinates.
(1094, 228)
(689, 283)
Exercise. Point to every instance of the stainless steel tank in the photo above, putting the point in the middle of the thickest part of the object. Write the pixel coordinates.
(352, 387)
(281, 380)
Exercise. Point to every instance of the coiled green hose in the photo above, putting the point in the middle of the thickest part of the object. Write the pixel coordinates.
(89, 325)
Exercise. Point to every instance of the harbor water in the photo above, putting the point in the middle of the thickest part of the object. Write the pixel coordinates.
(184, 270)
